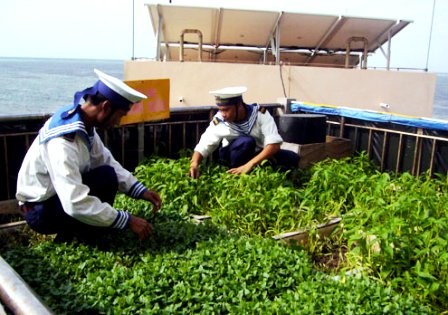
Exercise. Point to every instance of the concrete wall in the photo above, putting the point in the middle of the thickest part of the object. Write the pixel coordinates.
(407, 93)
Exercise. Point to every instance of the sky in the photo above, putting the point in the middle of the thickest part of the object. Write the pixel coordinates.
(121, 29)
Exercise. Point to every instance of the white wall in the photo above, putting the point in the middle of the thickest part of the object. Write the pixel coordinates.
(407, 93)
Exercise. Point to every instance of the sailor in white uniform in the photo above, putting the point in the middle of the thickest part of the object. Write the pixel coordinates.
(68, 180)
(246, 135)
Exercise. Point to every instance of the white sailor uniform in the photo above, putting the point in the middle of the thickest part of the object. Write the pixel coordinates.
(58, 157)
(260, 125)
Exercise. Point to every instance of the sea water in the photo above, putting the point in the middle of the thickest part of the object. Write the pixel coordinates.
(440, 106)
(41, 86)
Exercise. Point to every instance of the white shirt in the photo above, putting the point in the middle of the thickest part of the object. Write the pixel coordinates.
(264, 132)
(55, 167)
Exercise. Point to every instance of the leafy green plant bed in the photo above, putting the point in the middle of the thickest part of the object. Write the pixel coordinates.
(388, 254)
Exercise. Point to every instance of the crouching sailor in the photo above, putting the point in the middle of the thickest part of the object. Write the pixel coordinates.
(245, 134)
(68, 179)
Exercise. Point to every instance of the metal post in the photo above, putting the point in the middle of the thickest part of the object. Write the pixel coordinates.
(181, 48)
(133, 29)
(348, 49)
(141, 142)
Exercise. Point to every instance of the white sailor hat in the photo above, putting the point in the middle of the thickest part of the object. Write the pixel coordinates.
(229, 95)
(119, 93)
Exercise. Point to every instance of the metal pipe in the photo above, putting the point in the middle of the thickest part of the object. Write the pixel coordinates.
(355, 138)
(277, 46)
(348, 49)
(430, 34)
(341, 129)
(181, 48)
(169, 140)
(369, 143)
(154, 140)
(399, 154)
(184, 136)
(416, 161)
(419, 152)
(197, 133)
(433, 155)
(17, 295)
(5, 148)
(133, 29)
(141, 141)
(159, 35)
(383, 148)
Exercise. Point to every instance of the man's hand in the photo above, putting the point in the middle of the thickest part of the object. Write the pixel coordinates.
(268, 151)
(141, 227)
(154, 198)
(194, 171)
(243, 169)
(194, 165)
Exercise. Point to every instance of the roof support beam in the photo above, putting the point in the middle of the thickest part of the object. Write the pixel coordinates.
(277, 46)
(327, 36)
(160, 36)
(376, 42)
(217, 30)
(273, 38)
(388, 53)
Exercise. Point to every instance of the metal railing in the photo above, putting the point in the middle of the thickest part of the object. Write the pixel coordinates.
(415, 151)
(395, 150)
(129, 144)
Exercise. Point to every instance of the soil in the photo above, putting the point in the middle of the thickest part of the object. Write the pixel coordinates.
(331, 259)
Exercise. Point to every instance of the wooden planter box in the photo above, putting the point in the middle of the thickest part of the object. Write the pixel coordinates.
(301, 237)
(334, 147)
(296, 237)
(10, 208)
(197, 218)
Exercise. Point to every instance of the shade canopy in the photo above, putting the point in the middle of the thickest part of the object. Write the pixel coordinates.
(233, 35)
